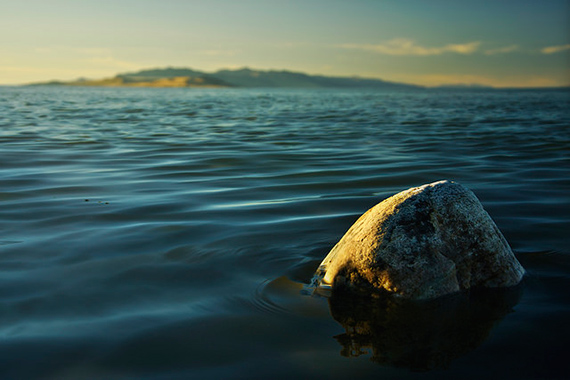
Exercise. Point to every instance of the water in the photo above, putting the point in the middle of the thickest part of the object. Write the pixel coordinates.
(167, 233)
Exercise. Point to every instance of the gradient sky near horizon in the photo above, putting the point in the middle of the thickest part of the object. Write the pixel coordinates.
(504, 43)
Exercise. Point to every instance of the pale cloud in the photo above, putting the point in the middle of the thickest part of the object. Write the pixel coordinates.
(404, 46)
(290, 45)
(21, 69)
(111, 62)
(218, 53)
(95, 57)
(44, 50)
(59, 50)
(555, 49)
(502, 50)
(93, 51)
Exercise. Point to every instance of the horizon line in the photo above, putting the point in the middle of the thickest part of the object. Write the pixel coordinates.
(458, 85)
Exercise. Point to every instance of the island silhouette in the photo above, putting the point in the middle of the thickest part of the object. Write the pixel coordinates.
(240, 78)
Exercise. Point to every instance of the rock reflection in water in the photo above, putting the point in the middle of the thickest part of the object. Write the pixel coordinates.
(419, 335)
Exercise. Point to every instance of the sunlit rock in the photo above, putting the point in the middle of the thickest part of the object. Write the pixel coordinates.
(422, 243)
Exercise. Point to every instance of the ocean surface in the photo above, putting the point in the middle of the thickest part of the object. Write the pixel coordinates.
(168, 233)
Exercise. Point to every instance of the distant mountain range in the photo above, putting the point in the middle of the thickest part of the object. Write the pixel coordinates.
(244, 78)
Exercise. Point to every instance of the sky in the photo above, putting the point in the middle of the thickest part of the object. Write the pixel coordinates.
(502, 43)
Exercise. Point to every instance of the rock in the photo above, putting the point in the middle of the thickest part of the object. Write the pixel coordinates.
(422, 243)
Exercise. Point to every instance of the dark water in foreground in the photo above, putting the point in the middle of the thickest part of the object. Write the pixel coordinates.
(166, 234)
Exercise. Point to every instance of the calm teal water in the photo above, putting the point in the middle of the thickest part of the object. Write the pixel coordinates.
(167, 233)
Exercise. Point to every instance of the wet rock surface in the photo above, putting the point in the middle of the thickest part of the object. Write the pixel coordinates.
(422, 243)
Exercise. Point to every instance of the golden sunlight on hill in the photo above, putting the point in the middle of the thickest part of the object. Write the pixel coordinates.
(182, 81)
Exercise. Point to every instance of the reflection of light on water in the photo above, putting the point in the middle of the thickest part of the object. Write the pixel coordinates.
(285, 296)
(254, 203)
(7, 242)
(125, 321)
(218, 190)
(262, 202)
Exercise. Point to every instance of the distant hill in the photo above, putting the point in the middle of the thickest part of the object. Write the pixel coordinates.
(245, 78)
(287, 79)
(169, 77)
